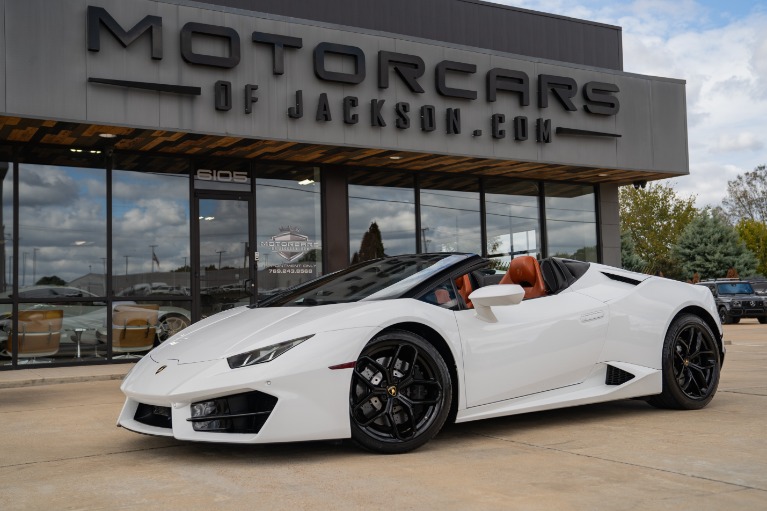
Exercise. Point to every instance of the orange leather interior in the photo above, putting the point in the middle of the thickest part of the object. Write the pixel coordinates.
(463, 284)
(526, 272)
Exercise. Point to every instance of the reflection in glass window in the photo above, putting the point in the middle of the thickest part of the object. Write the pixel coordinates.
(150, 234)
(571, 221)
(62, 254)
(6, 229)
(288, 226)
(450, 219)
(223, 254)
(62, 224)
(512, 219)
(381, 215)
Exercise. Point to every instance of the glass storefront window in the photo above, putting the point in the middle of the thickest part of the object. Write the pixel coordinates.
(450, 218)
(571, 221)
(6, 259)
(6, 229)
(288, 227)
(513, 219)
(381, 215)
(151, 263)
(150, 234)
(62, 254)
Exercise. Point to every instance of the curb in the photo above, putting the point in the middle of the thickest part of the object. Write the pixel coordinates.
(36, 382)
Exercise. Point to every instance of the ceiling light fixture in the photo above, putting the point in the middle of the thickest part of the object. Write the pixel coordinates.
(107, 135)
(306, 182)
(395, 157)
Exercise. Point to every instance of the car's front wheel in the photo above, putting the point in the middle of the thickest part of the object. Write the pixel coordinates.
(400, 393)
(690, 365)
(724, 317)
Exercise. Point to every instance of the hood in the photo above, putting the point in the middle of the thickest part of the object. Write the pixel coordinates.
(243, 329)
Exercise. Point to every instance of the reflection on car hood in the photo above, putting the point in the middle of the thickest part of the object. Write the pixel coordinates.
(243, 329)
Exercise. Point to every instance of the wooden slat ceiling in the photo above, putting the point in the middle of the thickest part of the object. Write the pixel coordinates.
(170, 143)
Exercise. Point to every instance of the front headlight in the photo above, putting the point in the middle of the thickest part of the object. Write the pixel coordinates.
(266, 354)
(736, 303)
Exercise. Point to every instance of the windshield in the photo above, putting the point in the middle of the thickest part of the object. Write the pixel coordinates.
(735, 288)
(380, 279)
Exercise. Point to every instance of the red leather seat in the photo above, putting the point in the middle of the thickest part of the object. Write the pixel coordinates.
(526, 272)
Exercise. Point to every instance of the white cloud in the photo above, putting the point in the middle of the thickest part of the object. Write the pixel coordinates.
(721, 52)
(737, 142)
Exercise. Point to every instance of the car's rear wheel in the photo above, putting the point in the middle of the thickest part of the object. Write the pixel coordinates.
(690, 365)
(400, 393)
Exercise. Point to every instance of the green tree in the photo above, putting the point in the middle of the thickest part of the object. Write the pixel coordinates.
(371, 246)
(629, 258)
(710, 245)
(51, 281)
(754, 235)
(747, 196)
(655, 217)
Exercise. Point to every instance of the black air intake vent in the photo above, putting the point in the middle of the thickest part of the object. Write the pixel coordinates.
(617, 376)
(621, 278)
(157, 416)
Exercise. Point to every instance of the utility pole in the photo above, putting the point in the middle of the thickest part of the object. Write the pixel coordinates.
(153, 258)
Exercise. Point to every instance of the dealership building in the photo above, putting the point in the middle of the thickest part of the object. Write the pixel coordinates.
(159, 159)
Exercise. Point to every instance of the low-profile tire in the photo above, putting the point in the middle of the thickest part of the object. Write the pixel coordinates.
(724, 317)
(690, 365)
(400, 393)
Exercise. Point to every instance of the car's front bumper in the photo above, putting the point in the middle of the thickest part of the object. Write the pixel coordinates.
(312, 400)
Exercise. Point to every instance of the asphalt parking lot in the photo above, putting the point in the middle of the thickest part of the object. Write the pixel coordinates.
(60, 450)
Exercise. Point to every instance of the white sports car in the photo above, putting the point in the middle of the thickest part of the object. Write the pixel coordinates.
(387, 351)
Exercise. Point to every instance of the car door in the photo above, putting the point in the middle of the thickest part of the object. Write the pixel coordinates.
(535, 346)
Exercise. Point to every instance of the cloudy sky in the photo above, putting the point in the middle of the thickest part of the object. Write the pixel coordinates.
(720, 49)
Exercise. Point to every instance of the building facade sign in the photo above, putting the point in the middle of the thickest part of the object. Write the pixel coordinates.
(598, 98)
(177, 65)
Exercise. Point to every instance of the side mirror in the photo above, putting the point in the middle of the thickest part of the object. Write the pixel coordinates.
(493, 296)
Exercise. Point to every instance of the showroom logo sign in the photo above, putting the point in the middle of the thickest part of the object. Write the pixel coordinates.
(594, 97)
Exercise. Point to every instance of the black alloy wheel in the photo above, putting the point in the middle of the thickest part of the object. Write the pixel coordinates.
(723, 316)
(400, 393)
(690, 365)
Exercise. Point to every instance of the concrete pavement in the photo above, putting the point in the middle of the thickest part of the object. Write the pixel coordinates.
(60, 450)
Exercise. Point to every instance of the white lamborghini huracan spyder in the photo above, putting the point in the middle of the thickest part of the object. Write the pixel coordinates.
(386, 351)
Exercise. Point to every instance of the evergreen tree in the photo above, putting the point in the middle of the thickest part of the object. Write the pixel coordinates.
(629, 258)
(710, 245)
(372, 244)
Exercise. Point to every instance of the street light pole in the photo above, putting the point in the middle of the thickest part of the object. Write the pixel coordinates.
(219, 252)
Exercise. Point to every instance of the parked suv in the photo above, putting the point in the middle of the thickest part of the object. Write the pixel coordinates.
(737, 299)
